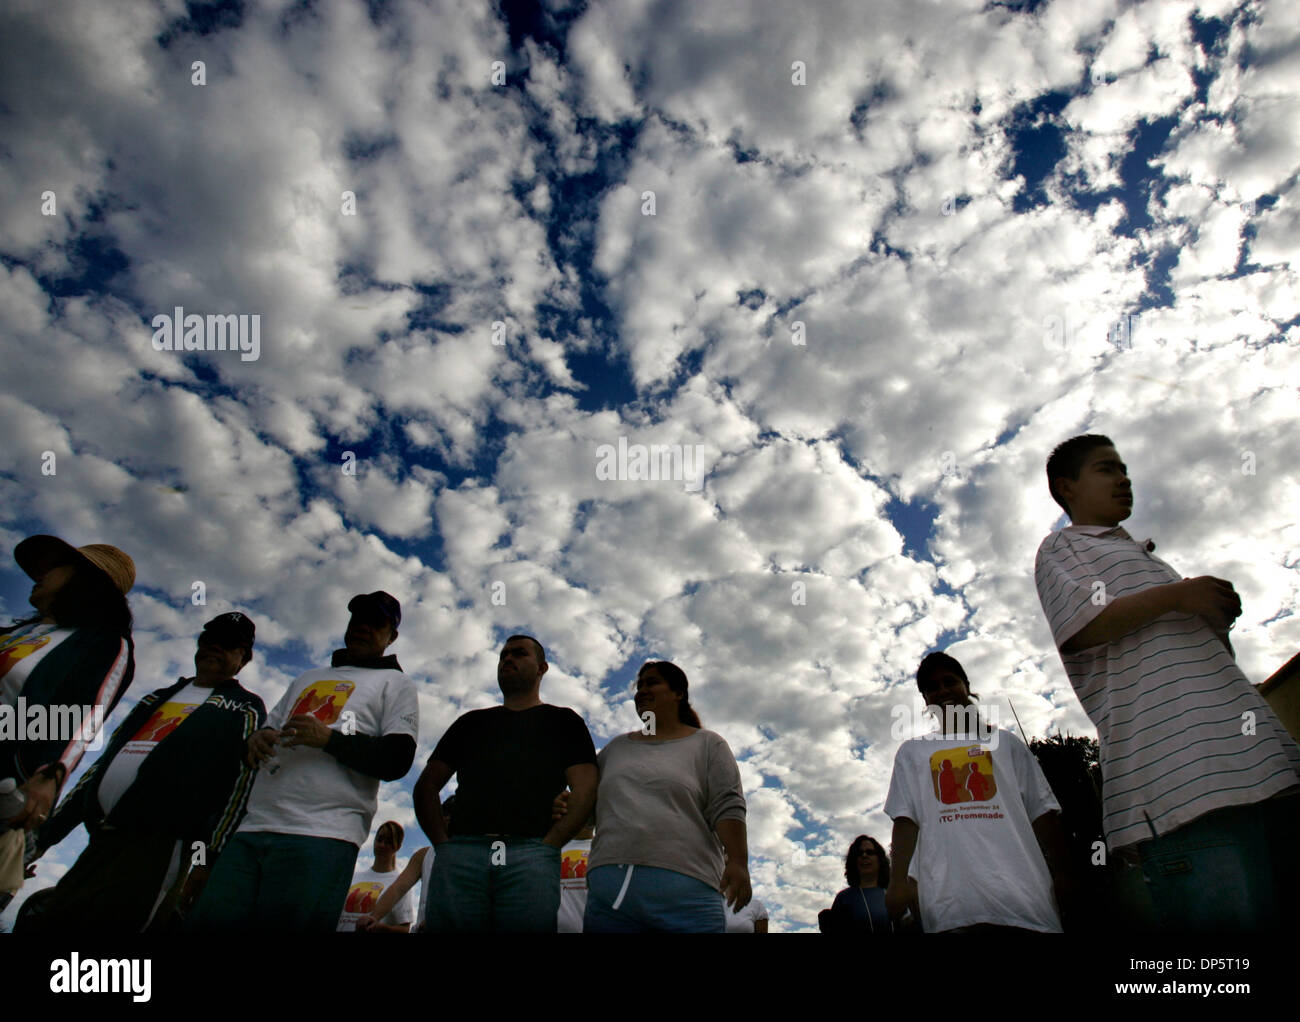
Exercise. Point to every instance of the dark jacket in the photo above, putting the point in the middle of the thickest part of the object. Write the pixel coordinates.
(91, 666)
(194, 784)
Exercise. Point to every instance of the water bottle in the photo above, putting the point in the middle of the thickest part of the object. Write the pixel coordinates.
(12, 801)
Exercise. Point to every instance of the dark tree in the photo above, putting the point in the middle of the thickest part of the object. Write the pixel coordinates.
(1070, 764)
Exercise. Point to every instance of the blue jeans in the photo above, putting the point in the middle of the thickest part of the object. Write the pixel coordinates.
(494, 885)
(1228, 870)
(646, 899)
(276, 883)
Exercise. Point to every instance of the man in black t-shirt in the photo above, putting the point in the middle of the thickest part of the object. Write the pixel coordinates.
(499, 869)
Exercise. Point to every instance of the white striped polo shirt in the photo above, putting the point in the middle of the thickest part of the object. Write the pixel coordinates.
(1167, 699)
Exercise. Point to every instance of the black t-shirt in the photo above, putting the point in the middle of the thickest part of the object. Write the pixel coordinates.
(510, 765)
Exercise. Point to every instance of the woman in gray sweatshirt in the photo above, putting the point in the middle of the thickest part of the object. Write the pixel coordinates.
(670, 820)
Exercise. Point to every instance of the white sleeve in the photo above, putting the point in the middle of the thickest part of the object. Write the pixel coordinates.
(901, 800)
(279, 716)
(401, 709)
(1065, 588)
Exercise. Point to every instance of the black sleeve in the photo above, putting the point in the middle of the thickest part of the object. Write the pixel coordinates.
(387, 757)
(449, 745)
(578, 746)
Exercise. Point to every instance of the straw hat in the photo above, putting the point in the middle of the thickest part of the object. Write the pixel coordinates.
(37, 554)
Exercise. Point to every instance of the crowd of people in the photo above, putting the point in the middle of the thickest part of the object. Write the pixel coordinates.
(206, 813)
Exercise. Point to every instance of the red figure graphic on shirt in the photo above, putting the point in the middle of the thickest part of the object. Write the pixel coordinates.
(951, 788)
(15, 650)
(963, 774)
(164, 720)
(323, 700)
(977, 784)
(363, 896)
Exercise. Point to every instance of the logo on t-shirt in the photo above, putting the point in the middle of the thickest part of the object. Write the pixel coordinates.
(14, 647)
(323, 699)
(162, 722)
(573, 867)
(362, 896)
(963, 775)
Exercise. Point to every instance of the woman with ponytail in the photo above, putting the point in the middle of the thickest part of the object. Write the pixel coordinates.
(670, 820)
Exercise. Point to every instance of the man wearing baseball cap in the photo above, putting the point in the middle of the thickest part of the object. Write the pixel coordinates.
(166, 794)
(337, 732)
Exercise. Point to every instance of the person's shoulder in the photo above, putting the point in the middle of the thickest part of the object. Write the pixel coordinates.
(1054, 542)
(711, 738)
(1009, 739)
(100, 638)
(236, 690)
(483, 715)
(564, 714)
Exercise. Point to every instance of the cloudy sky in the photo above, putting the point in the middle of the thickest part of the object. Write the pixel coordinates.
(864, 263)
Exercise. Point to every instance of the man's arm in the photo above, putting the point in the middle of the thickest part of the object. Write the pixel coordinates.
(1051, 840)
(736, 891)
(393, 893)
(582, 778)
(898, 894)
(1210, 598)
(428, 806)
(387, 757)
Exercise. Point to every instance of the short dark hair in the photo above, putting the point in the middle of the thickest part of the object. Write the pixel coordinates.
(1067, 460)
(935, 662)
(537, 646)
(851, 872)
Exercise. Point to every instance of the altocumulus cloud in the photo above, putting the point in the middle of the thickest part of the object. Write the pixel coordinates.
(875, 300)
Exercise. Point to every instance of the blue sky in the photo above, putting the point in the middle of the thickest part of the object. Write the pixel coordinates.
(951, 212)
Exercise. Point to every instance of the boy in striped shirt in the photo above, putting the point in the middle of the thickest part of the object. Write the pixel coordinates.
(1200, 781)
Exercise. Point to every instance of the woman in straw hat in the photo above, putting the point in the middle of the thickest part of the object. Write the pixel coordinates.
(75, 651)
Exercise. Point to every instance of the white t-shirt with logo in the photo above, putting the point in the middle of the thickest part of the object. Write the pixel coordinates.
(363, 895)
(573, 886)
(302, 790)
(977, 859)
(20, 651)
(165, 719)
(744, 920)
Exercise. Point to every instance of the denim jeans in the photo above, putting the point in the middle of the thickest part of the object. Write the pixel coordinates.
(647, 899)
(494, 885)
(276, 883)
(1228, 870)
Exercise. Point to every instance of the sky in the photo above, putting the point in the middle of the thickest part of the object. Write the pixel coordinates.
(860, 266)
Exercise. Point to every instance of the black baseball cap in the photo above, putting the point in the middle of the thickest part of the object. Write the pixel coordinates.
(378, 602)
(230, 630)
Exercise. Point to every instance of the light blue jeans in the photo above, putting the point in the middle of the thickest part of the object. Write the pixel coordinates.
(494, 885)
(646, 899)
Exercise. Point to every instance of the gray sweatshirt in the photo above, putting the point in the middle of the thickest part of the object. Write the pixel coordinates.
(659, 802)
